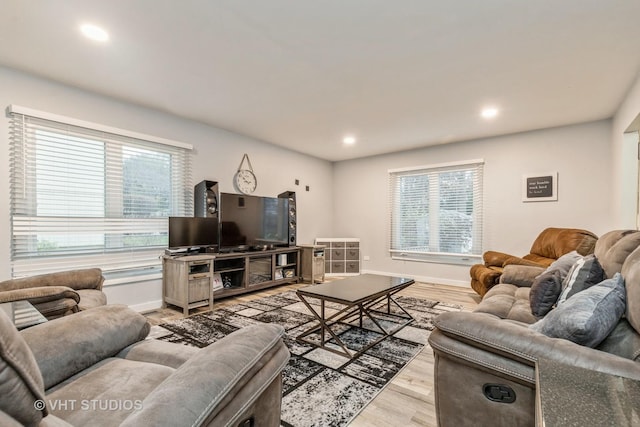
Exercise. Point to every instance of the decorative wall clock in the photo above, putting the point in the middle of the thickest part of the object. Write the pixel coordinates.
(245, 180)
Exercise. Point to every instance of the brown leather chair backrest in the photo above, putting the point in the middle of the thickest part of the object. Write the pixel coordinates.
(554, 242)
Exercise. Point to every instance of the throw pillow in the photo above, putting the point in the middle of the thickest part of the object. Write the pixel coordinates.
(589, 316)
(564, 263)
(545, 291)
(585, 273)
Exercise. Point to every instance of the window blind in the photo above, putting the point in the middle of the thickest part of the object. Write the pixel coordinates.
(85, 197)
(436, 211)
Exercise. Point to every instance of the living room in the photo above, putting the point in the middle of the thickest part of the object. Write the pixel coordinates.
(595, 163)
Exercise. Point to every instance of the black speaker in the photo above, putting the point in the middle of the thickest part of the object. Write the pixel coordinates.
(206, 199)
(293, 224)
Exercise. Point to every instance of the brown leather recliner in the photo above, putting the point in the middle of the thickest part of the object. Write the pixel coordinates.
(550, 245)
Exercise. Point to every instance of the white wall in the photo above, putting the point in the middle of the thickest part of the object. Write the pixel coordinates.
(217, 155)
(580, 154)
(624, 160)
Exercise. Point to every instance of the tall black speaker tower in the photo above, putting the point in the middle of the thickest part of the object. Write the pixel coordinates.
(206, 199)
(293, 224)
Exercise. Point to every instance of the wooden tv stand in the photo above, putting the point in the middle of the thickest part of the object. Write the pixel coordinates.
(243, 272)
(187, 281)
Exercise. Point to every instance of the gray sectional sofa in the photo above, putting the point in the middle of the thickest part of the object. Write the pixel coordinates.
(597, 329)
(96, 368)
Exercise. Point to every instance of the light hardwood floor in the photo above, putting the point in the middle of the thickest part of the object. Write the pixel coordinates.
(408, 400)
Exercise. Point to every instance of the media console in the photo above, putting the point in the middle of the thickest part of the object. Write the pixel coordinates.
(243, 272)
(187, 280)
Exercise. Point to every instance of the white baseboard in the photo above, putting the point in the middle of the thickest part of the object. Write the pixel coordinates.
(438, 280)
(147, 306)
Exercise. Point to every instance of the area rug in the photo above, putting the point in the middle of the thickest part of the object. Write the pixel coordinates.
(320, 388)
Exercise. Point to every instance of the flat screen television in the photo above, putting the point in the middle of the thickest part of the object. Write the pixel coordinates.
(249, 222)
(193, 232)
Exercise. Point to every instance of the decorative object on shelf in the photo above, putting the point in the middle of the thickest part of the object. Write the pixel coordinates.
(542, 187)
(245, 180)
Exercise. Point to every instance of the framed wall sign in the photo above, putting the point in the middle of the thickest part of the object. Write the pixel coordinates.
(540, 187)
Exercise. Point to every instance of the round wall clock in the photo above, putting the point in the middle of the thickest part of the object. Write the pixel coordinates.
(245, 180)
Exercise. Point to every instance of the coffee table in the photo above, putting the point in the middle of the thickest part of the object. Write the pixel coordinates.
(357, 297)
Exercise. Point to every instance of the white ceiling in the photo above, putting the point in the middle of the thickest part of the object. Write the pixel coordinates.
(303, 73)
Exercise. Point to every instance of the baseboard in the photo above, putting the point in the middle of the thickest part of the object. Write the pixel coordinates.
(147, 306)
(438, 280)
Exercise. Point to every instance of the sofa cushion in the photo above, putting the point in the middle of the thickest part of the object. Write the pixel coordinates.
(90, 298)
(545, 291)
(631, 273)
(76, 348)
(614, 247)
(623, 341)
(520, 275)
(589, 316)
(21, 384)
(107, 392)
(585, 273)
(507, 302)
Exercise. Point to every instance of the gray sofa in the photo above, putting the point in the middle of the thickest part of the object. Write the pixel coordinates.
(96, 368)
(499, 343)
(57, 294)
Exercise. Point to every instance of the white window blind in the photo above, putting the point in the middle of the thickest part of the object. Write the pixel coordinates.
(83, 196)
(436, 211)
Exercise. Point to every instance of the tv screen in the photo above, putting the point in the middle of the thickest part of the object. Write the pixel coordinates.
(193, 232)
(253, 221)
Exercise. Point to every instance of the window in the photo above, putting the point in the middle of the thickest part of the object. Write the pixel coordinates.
(436, 212)
(85, 195)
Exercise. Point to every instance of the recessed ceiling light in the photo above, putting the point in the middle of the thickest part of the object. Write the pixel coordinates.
(349, 140)
(489, 112)
(94, 32)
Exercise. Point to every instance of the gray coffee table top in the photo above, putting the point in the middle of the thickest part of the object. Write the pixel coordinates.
(355, 289)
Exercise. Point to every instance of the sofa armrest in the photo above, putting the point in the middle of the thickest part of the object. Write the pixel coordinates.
(512, 349)
(68, 345)
(516, 260)
(40, 294)
(229, 376)
(87, 278)
(520, 275)
(494, 258)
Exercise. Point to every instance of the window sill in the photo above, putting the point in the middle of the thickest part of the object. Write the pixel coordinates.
(454, 259)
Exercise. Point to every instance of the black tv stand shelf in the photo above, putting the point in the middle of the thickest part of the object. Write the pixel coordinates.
(249, 271)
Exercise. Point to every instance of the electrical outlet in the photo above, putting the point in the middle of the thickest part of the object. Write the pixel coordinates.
(366, 258)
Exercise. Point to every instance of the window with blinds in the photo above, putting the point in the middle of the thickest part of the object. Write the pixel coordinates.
(86, 195)
(436, 212)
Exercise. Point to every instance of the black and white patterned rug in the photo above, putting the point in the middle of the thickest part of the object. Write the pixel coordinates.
(320, 388)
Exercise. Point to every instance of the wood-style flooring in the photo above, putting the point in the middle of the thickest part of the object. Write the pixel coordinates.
(409, 399)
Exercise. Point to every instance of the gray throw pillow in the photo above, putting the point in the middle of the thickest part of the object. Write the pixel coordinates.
(585, 273)
(564, 263)
(545, 291)
(589, 316)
